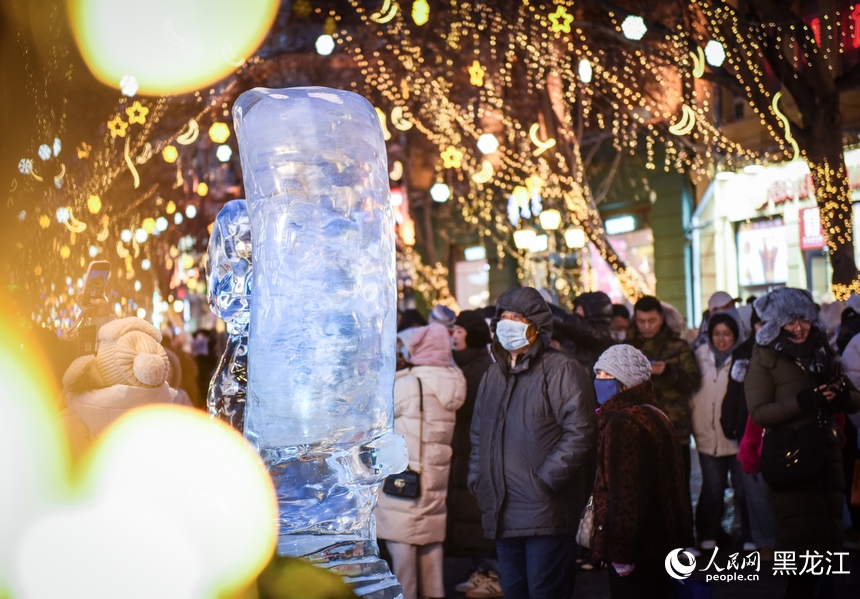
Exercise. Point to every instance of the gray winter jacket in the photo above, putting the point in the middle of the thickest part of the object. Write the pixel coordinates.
(534, 434)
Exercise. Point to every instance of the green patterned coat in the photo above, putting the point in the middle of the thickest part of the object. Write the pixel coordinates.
(675, 387)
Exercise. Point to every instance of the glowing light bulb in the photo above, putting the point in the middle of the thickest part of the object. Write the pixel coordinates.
(141, 235)
(585, 71)
(715, 54)
(633, 27)
(219, 132)
(440, 192)
(191, 211)
(488, 143)
(324, 45)
(224, 153)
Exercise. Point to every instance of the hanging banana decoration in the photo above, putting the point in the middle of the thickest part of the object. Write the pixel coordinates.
(400, 123)
(383, 122)
(74, 225)
(121, 251)
(698, 62)
(190, 136)
(58, 180)
(785, 123)
(485, 174)
(542, 146)
(132, 169)
(145, 154)
(386, 13)
(687, 122)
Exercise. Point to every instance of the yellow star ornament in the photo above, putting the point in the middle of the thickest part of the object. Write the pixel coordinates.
(452, 157)
(137, 113)
(117, 127)
(561, 20)
(476, 74)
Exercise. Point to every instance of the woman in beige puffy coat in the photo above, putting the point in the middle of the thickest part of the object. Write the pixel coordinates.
(415, 528)
(717, 454)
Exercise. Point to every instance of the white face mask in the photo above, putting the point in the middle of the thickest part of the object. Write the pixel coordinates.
(512, 334)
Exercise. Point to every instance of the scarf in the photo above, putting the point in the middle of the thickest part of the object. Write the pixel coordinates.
(721, 357)
(814, 355)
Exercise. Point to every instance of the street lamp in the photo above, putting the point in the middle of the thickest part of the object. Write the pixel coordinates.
(575, 238)
(524, 238)
(550, 220)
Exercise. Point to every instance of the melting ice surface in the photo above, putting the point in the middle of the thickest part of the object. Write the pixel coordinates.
(323, 319)
(229, 282)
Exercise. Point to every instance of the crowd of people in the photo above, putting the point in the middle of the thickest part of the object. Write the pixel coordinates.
(540, 427)
(545, 441)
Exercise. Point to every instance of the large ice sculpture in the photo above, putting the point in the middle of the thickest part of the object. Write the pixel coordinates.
(323, 320)
(229, 282)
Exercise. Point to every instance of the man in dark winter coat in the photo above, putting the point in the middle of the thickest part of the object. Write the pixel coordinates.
(471, 337)
(675, 372)
(533, 446)
(586, 333)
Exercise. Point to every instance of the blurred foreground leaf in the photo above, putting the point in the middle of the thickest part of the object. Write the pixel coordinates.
(289, 578)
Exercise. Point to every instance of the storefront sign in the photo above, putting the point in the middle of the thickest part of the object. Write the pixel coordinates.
(780, 192)
(811, 232)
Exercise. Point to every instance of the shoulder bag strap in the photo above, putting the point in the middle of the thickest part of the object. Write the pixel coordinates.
(420, 422)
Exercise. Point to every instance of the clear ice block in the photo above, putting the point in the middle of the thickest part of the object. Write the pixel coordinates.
(323, 321)
(229, 281)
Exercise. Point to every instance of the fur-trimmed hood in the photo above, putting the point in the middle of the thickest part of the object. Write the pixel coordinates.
(780, 307)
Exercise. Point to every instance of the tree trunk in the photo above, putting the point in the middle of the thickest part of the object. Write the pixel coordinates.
(832, 191)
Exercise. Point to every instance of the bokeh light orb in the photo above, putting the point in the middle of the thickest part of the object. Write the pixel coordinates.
(168, 46)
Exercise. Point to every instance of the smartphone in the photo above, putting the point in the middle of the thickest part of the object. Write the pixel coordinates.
(95, 282)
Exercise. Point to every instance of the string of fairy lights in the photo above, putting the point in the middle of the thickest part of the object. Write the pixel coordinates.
(612, 98)
(646, 97)
(536, 80)
(88, 211)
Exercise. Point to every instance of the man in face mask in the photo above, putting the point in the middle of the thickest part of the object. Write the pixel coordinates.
(533, 442)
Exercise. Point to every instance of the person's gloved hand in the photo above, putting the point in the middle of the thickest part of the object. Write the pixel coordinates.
(624, 569)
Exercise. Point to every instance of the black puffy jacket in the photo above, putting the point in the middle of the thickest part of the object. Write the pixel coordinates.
(534, 434)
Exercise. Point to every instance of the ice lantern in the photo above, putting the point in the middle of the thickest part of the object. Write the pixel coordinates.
(323, 321)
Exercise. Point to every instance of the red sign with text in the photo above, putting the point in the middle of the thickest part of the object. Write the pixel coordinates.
(811, 232)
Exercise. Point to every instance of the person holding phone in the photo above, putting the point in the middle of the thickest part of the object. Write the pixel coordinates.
(95, 311)
(794, 382)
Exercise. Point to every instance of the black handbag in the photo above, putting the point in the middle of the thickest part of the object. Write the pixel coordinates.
(793, 457)
(407, 484)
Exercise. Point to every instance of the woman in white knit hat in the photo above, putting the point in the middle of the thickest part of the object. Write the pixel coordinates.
(641, 505)
(129, 370)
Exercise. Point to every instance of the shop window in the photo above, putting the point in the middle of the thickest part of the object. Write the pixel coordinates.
(762, 255)
(472, 283)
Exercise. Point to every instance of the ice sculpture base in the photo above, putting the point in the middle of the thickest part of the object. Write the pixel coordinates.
(326, 497)
(354, 559)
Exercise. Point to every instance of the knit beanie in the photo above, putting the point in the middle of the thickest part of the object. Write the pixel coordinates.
(626, 364)
(780, 307)
(443, 315)
(130, 353)
(430, 346)
(477, 331)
